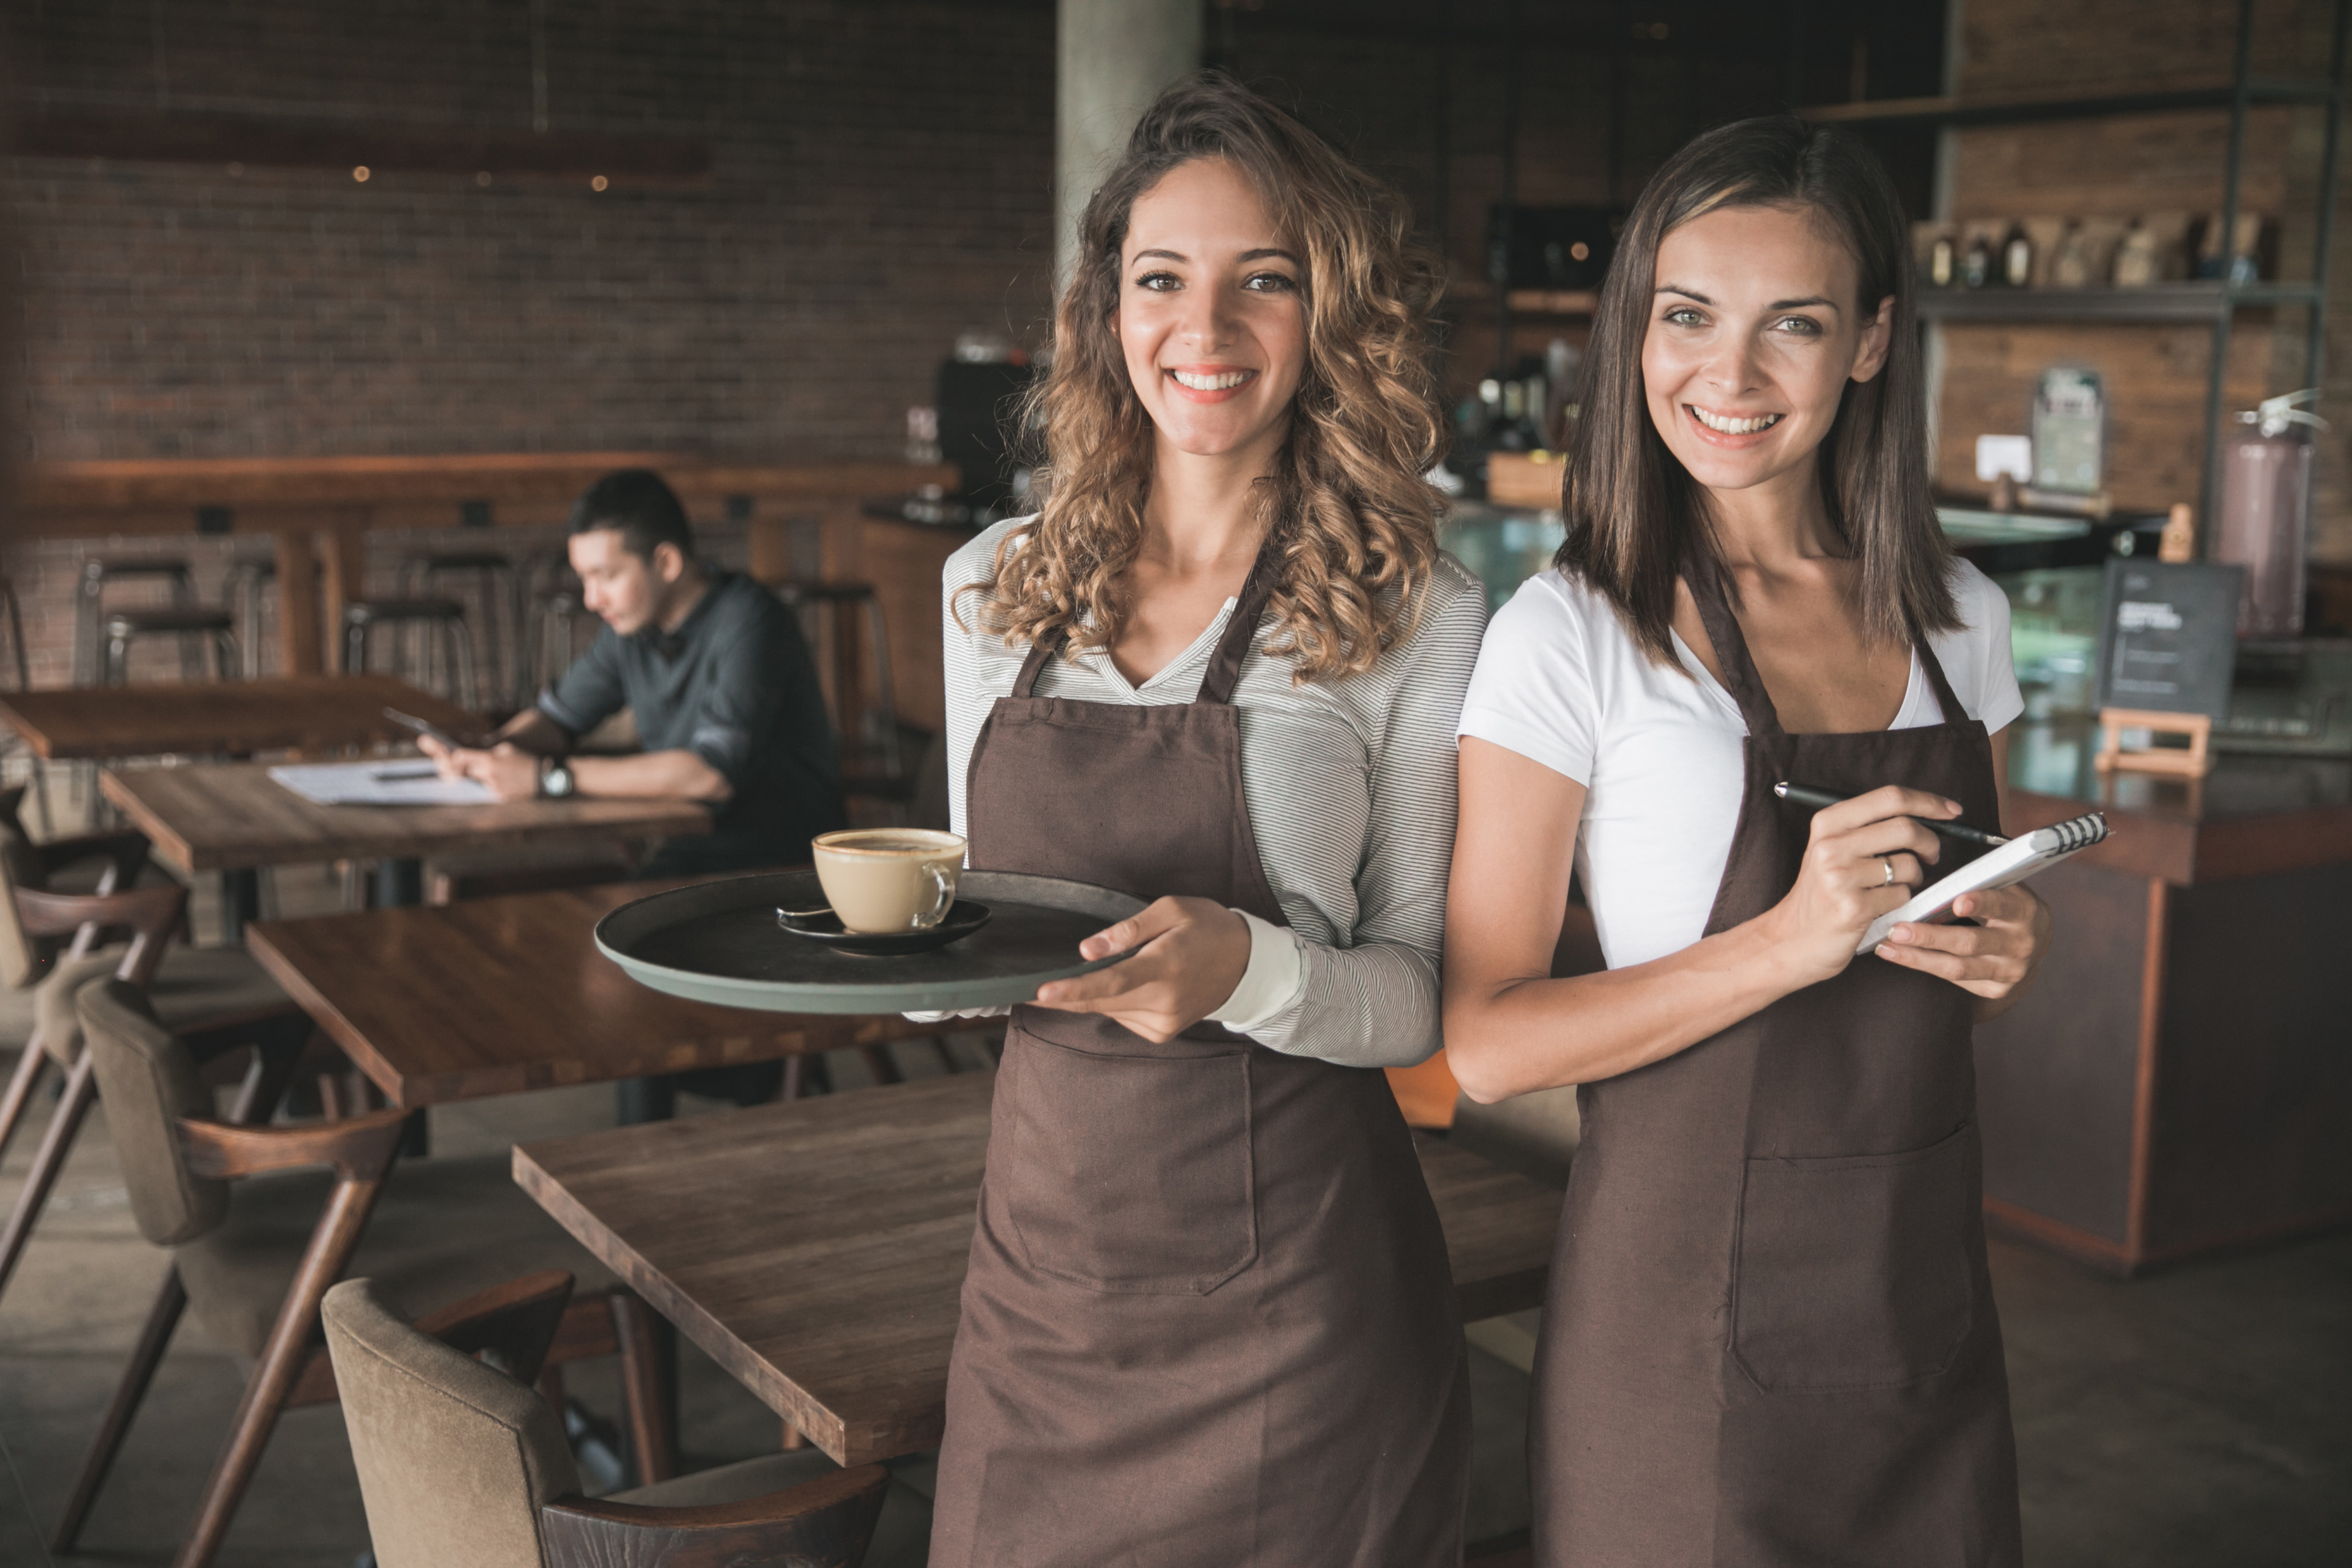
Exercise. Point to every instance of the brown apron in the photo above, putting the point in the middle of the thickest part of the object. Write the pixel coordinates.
(1209, 1320)
(1771, 1337)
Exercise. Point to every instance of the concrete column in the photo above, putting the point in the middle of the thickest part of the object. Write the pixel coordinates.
(1113, 57)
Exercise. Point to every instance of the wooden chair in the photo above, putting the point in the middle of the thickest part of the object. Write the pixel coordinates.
(12, 741)
(257, 1235)
(216, 1000)
(460, 1462)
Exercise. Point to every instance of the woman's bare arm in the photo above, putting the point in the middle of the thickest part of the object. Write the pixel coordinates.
(1510, 1028)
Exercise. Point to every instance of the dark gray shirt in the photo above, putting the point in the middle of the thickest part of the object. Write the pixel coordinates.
(735, 686)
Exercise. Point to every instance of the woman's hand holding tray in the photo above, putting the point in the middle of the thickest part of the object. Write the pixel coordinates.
(719, 941)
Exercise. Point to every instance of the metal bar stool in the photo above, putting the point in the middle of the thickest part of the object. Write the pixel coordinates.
(554, 635)
(25, 683)
(491, 577)
(424, 617)
(248, 585)
(862, 708)
(872, 764)
(189, 623)
(90, 657)
(552, 608)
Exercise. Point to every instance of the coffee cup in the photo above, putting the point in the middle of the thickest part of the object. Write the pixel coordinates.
(885, 879)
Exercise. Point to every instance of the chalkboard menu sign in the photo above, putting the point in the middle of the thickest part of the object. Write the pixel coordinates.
(2168, 636)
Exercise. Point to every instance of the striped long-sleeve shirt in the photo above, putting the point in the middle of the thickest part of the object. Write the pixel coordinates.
(1351, 787)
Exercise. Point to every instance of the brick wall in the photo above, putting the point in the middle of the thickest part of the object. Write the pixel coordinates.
(1600, 104)
(881, 181)
(2131, 164)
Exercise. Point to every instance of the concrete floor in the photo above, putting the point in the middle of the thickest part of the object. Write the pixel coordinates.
(2199, 1418)
(2195, 1418)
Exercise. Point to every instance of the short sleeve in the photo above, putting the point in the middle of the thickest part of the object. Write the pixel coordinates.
(1985, 607)
(1533, 690)
(741, 695)
(590, 690)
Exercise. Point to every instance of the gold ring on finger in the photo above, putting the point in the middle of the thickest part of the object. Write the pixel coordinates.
(1889, 864)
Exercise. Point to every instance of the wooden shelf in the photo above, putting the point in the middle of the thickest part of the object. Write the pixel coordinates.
(2013, 110)
(1552, 301)
(1525, 302)
(2197, 302)
(501, 151)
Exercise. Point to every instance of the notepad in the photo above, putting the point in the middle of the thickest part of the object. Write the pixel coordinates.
(2014, 862)
(387, 782)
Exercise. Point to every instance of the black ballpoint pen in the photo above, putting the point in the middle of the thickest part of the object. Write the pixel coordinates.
(1817, 798)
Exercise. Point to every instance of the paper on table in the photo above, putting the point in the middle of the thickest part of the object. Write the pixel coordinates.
(389, 782)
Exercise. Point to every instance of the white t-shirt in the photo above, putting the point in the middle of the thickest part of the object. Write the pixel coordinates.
(1560, 681)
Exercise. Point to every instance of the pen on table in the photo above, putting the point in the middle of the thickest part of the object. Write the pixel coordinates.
(1817, 798)
(394, 776)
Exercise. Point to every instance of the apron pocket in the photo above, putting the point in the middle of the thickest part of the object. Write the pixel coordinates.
(1854, 1272)
(1130, 1172)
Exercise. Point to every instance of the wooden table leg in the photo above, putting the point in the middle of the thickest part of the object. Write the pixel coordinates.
(240, 901)
(297, 603)
(346, 564)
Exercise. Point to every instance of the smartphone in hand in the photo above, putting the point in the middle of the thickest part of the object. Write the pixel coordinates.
(422, 726)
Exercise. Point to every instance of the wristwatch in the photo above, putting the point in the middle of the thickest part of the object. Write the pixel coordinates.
(555, 780)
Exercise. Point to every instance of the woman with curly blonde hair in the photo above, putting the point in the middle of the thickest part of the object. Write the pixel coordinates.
(1208, 1317)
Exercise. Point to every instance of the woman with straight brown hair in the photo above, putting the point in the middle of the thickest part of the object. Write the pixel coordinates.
(1770, 1339)
(1208, 1318)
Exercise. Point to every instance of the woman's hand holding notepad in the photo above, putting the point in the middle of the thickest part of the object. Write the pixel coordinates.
(2013, 862)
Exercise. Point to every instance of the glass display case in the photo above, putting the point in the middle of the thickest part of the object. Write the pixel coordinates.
(1502, 546)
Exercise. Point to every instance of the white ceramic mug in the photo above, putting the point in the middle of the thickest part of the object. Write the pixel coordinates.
(887, 880)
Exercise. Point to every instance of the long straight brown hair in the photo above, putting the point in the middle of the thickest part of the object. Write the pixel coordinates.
(1634, 513)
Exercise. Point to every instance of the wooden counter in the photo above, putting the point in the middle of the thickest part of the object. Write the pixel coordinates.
(319, 510)
(2179, 1079)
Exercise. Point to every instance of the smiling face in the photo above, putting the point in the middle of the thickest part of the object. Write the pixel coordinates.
(1754, 333)
(1211, 313)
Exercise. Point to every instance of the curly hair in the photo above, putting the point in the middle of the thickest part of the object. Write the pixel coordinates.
(1353, 521)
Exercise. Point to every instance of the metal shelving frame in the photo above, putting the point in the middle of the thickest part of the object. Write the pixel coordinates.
(2216, 304)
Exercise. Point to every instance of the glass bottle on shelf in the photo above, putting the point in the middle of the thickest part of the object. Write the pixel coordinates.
(2017, 258)
(2070, 266)
(2243, 265)
(1975, 267)
(2138, 259)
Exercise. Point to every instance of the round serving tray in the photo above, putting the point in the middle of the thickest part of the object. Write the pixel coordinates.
(719, 941)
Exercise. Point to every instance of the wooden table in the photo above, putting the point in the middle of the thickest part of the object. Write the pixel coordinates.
(816, 1249)
(2179, 1078)
(216, 816)
(498, 995)
(309, 712)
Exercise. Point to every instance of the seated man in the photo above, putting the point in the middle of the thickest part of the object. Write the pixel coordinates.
(727, 709)
(712, 665)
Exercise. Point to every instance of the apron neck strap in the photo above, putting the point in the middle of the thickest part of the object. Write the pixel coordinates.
(1739, 677)
(1947, 704)
(1225, 669)
(1043, 648)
